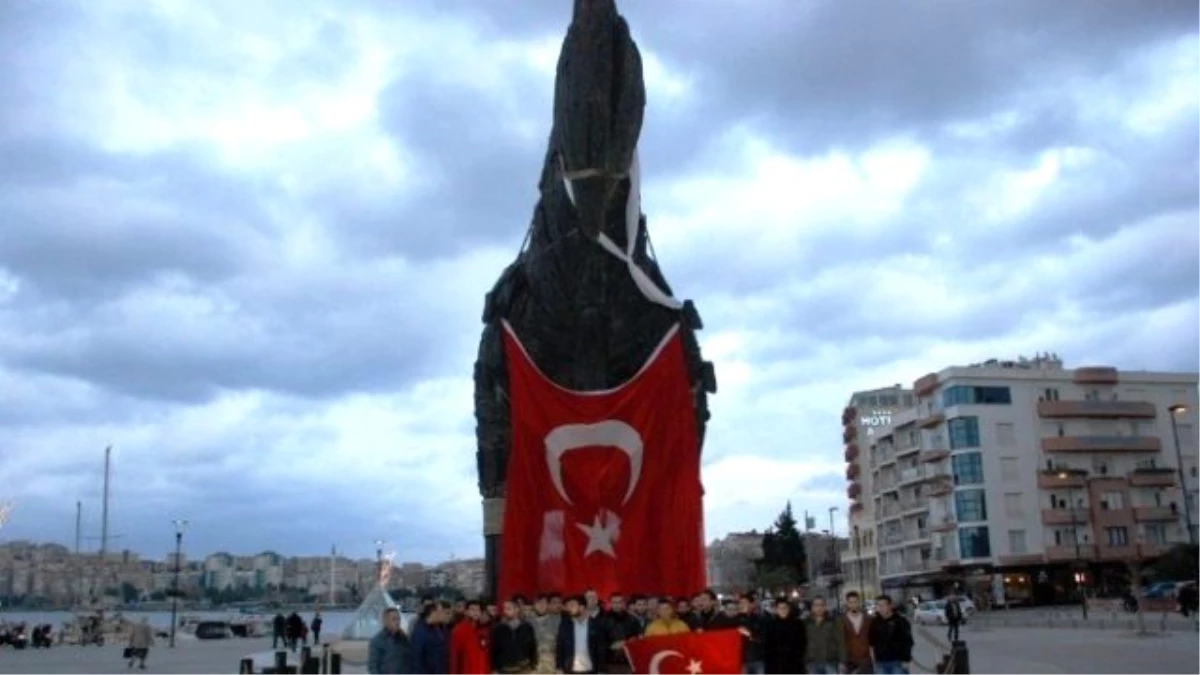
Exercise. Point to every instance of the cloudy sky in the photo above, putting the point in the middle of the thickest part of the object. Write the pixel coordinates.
(247, 243)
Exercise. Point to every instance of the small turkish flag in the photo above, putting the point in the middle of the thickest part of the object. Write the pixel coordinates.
(718, 651)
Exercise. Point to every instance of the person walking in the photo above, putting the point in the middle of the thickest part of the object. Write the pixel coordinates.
(141, 639)
(891, 639)
(316, 628)
(389, 652)
(278, 628)
(954, 618)
(856, 635)
(826, 642)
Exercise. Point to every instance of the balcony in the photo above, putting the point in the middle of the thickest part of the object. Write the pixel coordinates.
(1134, 410)
(848, 415)
(1097, 375)
(930, 456)
(1064, 516)
(852, 471)
(849, 434)
(851, 452)
(1152, 478)
(931, 420)
(911, 475)
(941, 488)
(947, 525)
(1153, 550)
(1126, 552)
(1067, 552)
(1154, 514)
(925, 385)
(1060, 479)
(906, 450)
(1101, 444)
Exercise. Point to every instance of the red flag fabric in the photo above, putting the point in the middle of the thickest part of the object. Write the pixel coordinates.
(603, 488)
(718, 651)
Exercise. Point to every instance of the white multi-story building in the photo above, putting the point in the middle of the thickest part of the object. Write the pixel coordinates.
(1017, 477)
(864, 416)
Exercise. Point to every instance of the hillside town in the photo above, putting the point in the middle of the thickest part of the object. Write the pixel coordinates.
(51, 575)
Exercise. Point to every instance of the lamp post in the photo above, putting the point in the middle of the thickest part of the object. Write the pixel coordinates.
(379, 561)
(862, 590)
(1078, 576)
(1175, 411)
(835, 559)
(180, 526)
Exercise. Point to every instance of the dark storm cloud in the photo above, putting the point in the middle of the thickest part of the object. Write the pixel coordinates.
(478, 179)
(82, 224)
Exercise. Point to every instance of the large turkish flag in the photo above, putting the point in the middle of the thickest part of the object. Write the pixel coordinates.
(603, 488)
(718, 651)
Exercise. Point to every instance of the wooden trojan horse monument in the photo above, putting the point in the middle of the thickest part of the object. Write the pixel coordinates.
(585, 295)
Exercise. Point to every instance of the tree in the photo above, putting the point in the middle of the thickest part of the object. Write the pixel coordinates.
(1177, 564)
(783, 562)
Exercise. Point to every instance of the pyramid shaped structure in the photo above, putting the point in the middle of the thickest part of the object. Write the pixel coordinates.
(366, 620)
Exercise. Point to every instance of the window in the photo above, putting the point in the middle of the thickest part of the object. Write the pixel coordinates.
(1156, 533)
(1005, 436)
(1016, 542)
(970, 505)
(1010, 470)
(967, 468)
(1112, 500)
(1117, 536)
(1012, 505)
(1050, 394)
(964, 432)
(973, 542)
(1065, 536)
(964, 395)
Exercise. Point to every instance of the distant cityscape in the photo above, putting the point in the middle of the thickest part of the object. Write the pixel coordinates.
(51, 575)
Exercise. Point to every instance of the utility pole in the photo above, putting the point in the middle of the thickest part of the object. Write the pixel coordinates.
(1175, 411)
(1079, 575)
(75, 583)
(332, 564)
(834, 563)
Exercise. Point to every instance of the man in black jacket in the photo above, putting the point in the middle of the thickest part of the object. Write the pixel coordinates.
(514, 647)
(750, 620)
(580, 647)
(619, 625)
(891, 639)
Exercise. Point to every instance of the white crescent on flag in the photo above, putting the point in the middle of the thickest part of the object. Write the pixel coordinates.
(609, 433)
(659, 657)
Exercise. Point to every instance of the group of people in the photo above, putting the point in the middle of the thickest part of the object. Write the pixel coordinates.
(579, 634)
(19, 636)
(292, 631)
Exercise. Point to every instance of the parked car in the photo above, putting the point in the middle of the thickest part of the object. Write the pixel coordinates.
(930, 612)
(1162, 589)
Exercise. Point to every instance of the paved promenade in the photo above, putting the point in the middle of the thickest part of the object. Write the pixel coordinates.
(992, 650)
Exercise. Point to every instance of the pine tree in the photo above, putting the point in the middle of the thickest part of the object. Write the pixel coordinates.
(783, 562)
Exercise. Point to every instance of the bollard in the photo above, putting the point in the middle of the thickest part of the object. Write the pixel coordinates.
(305, 653)
(311, 666)
(246, 667)
(281, 662)
(960, 657)
(335, 664)
(325, 658)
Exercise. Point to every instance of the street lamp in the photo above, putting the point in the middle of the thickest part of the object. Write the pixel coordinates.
(1175, 411)
(1078, 576)
(835, 558)
(862, 590)
(379, 561)
(180, 526)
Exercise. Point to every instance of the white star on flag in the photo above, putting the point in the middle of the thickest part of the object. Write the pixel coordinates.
(694, 667)
(604, 530)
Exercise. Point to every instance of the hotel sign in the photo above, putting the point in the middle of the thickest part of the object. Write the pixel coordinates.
(877, 418)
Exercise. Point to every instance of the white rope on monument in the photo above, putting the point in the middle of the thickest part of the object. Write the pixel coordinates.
(633, 222)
